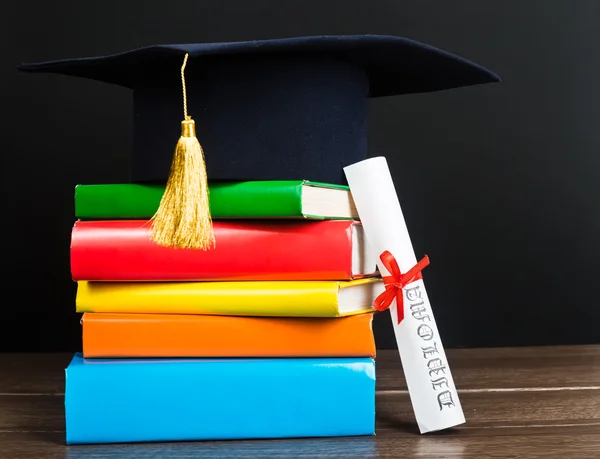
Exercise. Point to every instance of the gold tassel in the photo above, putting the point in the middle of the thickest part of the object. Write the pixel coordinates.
(183, 217)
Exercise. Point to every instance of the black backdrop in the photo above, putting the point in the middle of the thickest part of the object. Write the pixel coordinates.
(499, 183)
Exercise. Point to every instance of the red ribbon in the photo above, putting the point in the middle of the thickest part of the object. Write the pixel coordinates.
(396, 282)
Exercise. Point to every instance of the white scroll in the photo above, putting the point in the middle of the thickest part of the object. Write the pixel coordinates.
(432, 392)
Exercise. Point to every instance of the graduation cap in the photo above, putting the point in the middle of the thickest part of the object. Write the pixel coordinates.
(280, 109)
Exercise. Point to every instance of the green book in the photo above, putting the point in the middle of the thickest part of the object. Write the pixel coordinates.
(250, 199)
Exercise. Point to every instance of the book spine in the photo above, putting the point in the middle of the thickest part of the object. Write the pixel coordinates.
(245, 250)
(171, 335)
(125, 400)
(261, 298)
(117, 201)
(258, 199)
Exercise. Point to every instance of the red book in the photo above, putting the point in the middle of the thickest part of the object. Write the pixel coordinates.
(121, 250)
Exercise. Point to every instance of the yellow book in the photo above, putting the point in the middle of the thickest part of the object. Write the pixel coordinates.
(259, 298)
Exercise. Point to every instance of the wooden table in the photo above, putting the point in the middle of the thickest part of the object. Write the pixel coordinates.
(528, 402)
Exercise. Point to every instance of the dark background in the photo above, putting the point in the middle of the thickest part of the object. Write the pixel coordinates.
(500, 184)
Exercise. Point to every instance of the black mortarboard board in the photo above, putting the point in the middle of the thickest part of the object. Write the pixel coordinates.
(280, 109)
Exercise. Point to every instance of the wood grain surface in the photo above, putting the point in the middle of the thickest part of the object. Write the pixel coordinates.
(521, 402)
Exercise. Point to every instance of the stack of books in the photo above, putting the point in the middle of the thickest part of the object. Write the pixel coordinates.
(267, 335)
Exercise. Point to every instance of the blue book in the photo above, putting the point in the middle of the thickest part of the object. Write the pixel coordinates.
(137, 400)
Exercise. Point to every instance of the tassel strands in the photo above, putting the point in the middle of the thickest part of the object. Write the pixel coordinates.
(183, 217)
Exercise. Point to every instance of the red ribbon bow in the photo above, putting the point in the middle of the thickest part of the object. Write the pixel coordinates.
(396, 282)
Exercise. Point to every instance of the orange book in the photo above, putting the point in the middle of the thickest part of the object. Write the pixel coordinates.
(178, 335)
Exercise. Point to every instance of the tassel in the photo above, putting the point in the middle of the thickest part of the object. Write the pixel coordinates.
(183, 217)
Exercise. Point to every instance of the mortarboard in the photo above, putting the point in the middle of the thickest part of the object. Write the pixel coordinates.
(280, 109)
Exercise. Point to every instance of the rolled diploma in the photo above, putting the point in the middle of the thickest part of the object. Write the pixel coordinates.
(432, 392)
